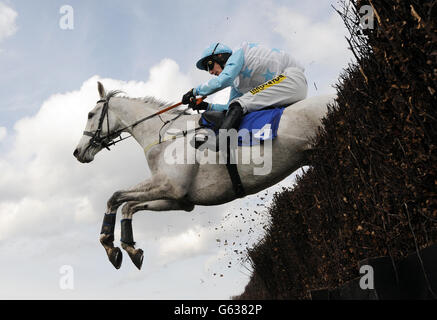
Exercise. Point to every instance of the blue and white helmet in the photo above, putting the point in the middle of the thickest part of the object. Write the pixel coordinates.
(213, 49)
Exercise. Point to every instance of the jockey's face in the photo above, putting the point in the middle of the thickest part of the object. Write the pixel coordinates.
(216, 70)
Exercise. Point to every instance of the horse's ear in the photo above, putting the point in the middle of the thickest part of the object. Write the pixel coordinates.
(101, 89)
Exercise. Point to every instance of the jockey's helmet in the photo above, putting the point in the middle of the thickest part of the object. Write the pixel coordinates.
(216, 52)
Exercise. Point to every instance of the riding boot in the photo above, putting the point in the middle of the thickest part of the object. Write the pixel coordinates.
(231, 121)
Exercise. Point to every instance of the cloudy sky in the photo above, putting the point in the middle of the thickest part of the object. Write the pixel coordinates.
(51, 206)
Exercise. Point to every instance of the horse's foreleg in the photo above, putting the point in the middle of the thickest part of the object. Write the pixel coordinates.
(129, 209)
(107, 232)
(160, 189)
(149, 191)
(107, 240)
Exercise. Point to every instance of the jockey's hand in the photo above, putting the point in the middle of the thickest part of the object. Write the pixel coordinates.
(188, 97)
(201, 106)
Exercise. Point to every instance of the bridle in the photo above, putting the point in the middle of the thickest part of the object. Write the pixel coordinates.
(97, 140)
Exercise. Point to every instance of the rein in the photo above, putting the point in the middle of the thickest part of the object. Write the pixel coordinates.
(106, 141)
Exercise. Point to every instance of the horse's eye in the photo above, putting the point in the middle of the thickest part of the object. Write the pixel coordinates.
(90, 115)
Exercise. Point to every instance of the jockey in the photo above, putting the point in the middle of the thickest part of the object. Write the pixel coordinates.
(259, 77)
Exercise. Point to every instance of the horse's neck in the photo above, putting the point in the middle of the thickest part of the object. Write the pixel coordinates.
(129, 111)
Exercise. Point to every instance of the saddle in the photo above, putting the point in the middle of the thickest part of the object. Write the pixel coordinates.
(212, 119)
(255, 128)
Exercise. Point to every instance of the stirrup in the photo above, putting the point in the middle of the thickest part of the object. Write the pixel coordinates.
(198, 140)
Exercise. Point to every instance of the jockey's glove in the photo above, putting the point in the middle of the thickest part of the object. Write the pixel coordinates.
(201, 106)
(189, 97)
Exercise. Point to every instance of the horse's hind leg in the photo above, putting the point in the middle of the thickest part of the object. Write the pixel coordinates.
(128, 210)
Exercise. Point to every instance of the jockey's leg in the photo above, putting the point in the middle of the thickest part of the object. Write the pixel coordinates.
(282, 91)
(232, 120)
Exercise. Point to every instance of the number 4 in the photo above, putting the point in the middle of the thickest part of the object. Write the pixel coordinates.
(264, 133)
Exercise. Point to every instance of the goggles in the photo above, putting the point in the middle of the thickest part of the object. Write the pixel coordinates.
(209, 63)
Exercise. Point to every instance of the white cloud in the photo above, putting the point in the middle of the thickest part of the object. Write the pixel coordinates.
(186, 243)
(8, 25)
(312, 32)
(51, 206)
(40, 171)
(3, 133)
(319, 40)
(308, 37)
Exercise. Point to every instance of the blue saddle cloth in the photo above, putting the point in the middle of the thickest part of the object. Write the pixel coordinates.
(257, 126)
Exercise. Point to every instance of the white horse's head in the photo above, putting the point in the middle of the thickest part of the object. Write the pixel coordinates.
(100, 128)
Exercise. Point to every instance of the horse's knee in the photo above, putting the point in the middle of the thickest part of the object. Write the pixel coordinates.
(114, 199)
(129, 209)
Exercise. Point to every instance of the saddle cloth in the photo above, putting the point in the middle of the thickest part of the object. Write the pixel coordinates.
(255, 126)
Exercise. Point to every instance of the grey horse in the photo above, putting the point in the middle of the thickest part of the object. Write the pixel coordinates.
(183, 185)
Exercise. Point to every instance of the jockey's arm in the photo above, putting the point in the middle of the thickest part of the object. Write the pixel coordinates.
(226, 78)
(221, 107)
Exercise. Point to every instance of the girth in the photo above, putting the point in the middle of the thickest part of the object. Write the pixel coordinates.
(237, 185)
(215, 120)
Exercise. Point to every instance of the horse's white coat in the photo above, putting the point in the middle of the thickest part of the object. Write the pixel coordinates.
(187, 185)
(183, 186)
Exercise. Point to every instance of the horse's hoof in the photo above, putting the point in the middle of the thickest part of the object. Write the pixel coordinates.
(116, 257)
(138, 258)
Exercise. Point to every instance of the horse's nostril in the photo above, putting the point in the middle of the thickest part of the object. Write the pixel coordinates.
(75, 153)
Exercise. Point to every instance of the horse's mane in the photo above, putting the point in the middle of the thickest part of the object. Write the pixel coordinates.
(160, 104)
